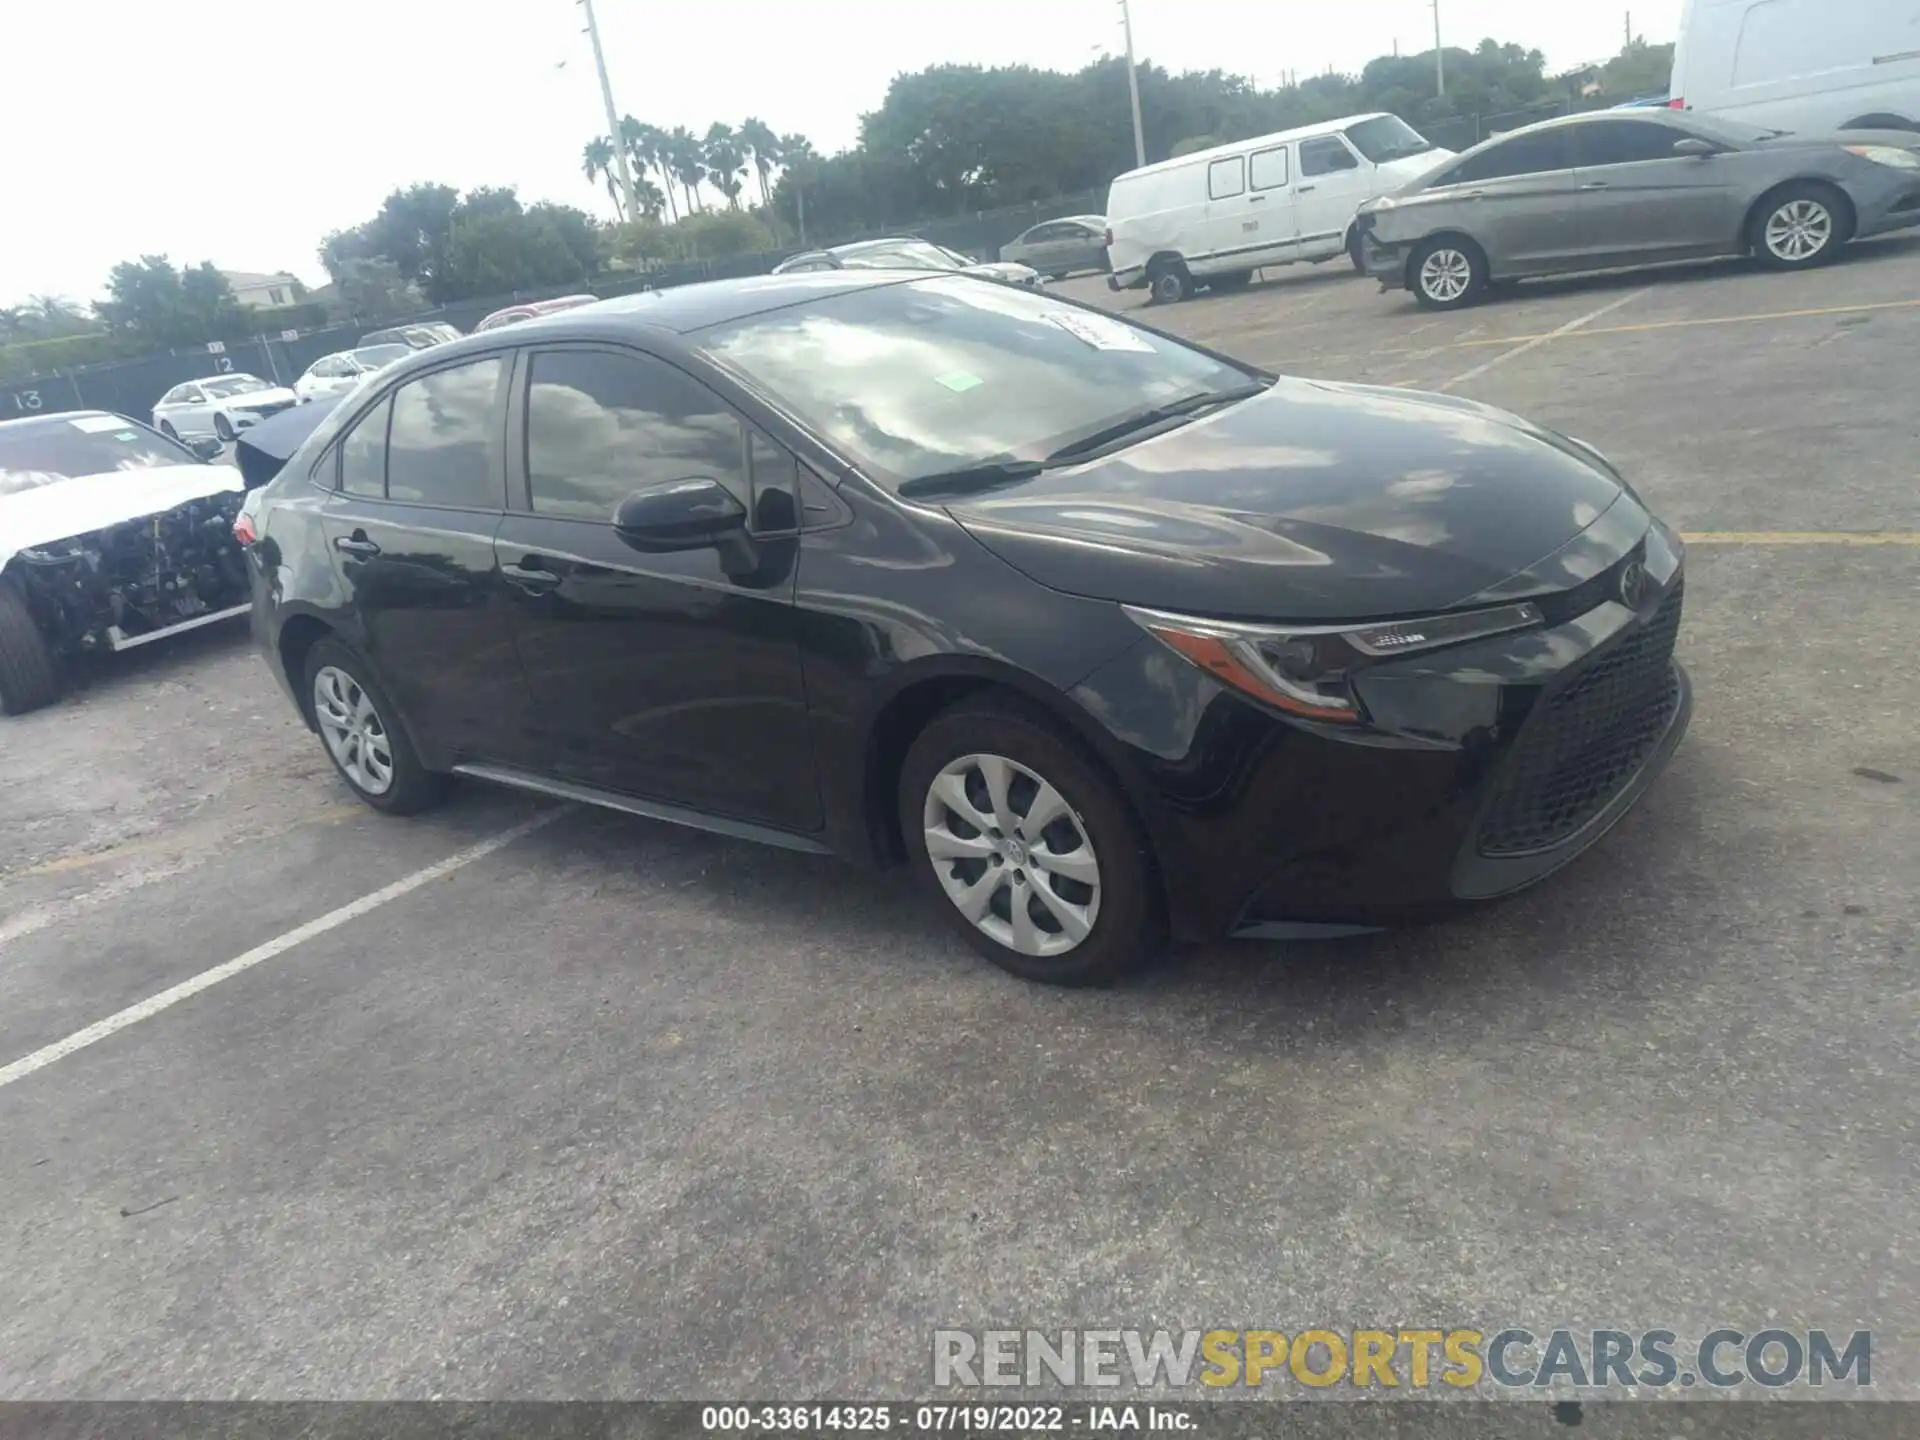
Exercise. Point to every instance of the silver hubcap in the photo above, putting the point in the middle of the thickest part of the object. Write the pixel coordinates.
(356, 736)
(1799, 230)
(1167, 287)
(1446, 274)
(1012, 855)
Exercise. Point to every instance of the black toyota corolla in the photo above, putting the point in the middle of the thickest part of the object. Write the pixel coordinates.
(1107, 636)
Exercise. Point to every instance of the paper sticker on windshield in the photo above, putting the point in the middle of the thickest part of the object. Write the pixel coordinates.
(959, 381)
(97, 424)
(1101, 333)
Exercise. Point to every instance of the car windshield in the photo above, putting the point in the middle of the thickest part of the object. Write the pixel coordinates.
(934, 376)
(46, 451)
(374, 356)
(228, 385)
(1387, 137)
(907, 255)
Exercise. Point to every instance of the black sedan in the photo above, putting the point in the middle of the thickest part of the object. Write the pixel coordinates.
(1107, 636)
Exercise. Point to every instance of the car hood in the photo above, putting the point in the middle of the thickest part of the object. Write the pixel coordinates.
(1002, 269)
(277, 395)
(1313, 502)
(87, 503)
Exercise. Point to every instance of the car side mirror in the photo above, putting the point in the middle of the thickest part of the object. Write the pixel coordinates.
(207, 447)
(689, 514)
(1696, 148)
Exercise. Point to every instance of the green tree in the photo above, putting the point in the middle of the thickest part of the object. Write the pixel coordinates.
(599, 161)
(686, 161)
(763, 149)
(726, 163)
(152, 304)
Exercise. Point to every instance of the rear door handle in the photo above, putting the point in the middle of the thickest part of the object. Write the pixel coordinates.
(1256, 199)
(531, 578)
(1594, 185)
(356, 544)
(1303, 190)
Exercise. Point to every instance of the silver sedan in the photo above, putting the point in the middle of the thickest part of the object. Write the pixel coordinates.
(1611, 191)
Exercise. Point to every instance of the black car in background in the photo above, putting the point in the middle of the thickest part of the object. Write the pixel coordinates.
(1106, 635)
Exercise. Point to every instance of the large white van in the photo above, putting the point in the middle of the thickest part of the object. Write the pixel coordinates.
(1801, 65)
(1216, 216)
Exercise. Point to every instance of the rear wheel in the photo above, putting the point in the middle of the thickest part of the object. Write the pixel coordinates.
(361, 732)
(29, 674)
(1169, 283)
(1448, 273)
(1027, 847)
(1800, 226)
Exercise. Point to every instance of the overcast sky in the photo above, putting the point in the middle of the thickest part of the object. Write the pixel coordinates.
(241, 131)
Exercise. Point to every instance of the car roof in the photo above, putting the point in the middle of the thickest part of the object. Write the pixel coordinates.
(1252, 142)
(677, 310)
(61, 417)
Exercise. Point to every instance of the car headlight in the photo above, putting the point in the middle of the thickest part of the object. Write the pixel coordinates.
(1886, 155)
(1307, 670)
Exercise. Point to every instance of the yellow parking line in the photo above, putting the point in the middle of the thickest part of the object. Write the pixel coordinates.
(1695, 323)
(1802, 537)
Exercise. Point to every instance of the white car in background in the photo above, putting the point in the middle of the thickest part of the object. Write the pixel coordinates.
(341, 371)
(220, 405)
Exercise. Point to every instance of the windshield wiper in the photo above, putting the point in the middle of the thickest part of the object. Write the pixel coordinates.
(1139, 420)
(970, 479)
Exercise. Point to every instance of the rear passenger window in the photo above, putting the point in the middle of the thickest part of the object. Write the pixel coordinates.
(1227, 178)
(1325, 155)
(1540, 153)
(1622, 142)
(442, 448)
(602, 425)
(363, 454)
(1270, 168)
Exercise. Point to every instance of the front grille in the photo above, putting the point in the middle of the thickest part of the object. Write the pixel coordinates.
(271, 408)
(1585, 741)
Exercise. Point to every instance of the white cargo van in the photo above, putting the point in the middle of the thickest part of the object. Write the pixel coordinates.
(1215, 216)
(1801, 65)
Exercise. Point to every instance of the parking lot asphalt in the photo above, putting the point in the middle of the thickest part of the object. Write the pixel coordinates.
(616, 1110)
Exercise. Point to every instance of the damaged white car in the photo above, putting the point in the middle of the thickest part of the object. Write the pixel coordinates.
(111, 535)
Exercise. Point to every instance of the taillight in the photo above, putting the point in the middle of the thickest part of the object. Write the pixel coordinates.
(243, 530)
(1676, 104)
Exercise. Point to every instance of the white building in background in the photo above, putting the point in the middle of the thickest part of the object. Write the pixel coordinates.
(260, 292)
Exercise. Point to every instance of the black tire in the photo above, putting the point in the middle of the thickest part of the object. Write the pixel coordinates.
(413, 787)
(166, 429)
(29, 674)
(1467, 271)
(1058, 275)
(1168, 283)
(1881, 122)
(1126, 926)
(223, 428)
(1821, 212)
(1226, 284)
(1355, 252)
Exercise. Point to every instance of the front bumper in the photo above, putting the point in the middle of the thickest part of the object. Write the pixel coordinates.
(1383, 261)
(1485, 768)
(1129, 279)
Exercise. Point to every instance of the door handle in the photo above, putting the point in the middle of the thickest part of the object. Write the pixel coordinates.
(1303, 189)
(356, 544)
(1256, 199)
(1594, 185)
(531, 578)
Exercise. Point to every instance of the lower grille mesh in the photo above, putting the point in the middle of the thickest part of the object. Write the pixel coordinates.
(1584, 742)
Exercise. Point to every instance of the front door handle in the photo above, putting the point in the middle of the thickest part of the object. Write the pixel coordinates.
(1303, 190)
(1594, 185)
(356, 544)
(531, 578)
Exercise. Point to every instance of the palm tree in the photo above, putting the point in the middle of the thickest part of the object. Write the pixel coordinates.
(649, 197)
(763, 146)
(687, 162)
(597, 162)
(646, 145)
(797, 159)
(725, 162)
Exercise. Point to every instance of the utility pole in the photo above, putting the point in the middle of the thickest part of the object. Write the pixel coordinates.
(1629, 29)
(613, 117)
(1439, 56)
(1133, 88)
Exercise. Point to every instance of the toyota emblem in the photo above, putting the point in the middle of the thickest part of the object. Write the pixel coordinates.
(1633, 584)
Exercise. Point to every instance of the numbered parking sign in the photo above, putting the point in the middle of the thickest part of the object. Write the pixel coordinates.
(216, 347)
(289, 334)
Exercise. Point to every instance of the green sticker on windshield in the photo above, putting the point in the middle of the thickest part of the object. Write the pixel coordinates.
(960, 381)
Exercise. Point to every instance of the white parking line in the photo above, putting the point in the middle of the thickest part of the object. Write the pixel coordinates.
(1505, 355)
(279, 945)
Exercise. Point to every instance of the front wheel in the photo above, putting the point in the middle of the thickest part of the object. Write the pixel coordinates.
(1355, 253)
(166, 429)
(29, 674)
(223, 427)
(1799, 227)
(1027, 847)
(360, 729)
(1447, 274)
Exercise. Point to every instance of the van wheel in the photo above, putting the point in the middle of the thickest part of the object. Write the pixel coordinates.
(29, 675)
(1170, 283)
(1800, 226)
(1447, 273)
